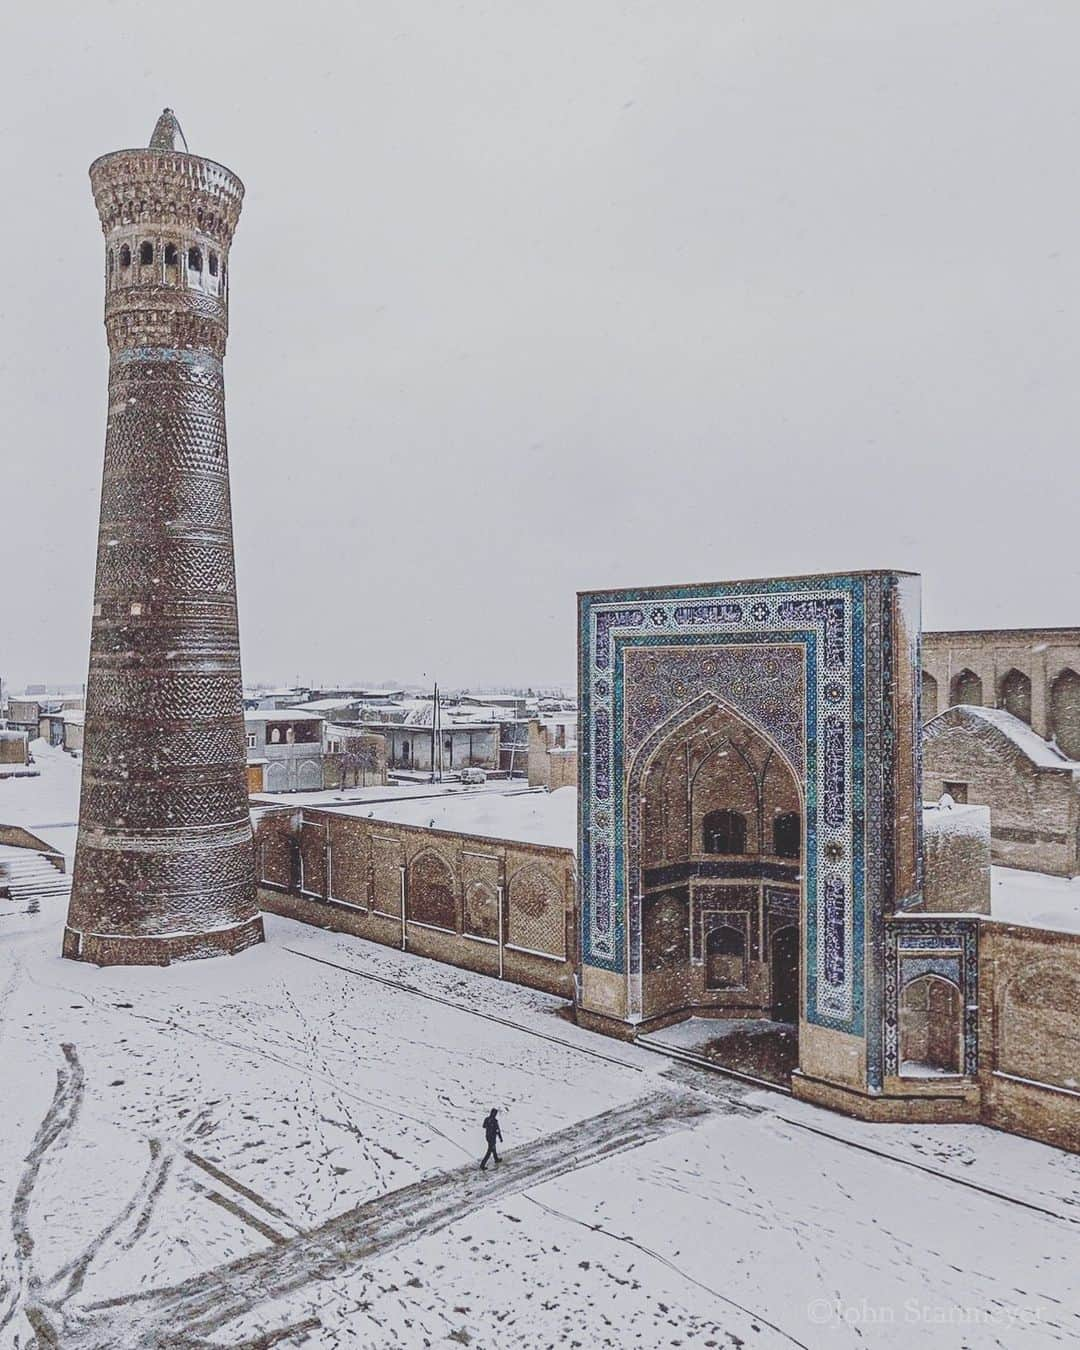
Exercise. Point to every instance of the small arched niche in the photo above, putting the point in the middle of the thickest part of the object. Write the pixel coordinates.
(931, 1028)
(1015, 696)
(966, 688)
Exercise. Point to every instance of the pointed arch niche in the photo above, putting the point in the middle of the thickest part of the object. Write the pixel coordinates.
(715, 794)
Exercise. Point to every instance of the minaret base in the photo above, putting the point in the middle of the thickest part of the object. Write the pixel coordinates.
(117, 949)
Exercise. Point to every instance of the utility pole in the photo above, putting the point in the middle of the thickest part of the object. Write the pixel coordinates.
(434, 729)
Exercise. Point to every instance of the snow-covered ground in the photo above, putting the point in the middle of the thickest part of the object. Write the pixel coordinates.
(48, 803)
(280, 1149)
(1036, 899)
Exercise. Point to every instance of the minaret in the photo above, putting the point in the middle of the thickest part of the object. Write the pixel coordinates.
(164, 868)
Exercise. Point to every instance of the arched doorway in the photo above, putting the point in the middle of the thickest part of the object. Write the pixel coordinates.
(784, 974)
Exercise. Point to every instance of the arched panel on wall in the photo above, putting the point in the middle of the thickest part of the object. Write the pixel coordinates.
(1015, 695)
(313, 859)
(277, 776)
(1038, 1029)
(931, 1027)
(966, 688)
(537, 917)
(431, 894)
(275, 851)
(725, 958)
(310, 775)
(666, 931)
(349, 875)
(725, 789)
(482, 910)
(1065, 712)
(929, 696)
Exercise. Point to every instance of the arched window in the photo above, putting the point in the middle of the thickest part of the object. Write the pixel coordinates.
(725, 958)
(213, 263)
(1065, 712)
(930, 1027)
(966, 688)
(723, 832)
(172, 258)
(929, 697)
(125, 256)
(787, 835)
(1016, 695)
(194, 259)
(146, 253)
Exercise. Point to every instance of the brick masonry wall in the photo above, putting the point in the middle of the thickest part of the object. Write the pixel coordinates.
(478, 899)
(1029, 1032)
(956, 860)
(1034, 811)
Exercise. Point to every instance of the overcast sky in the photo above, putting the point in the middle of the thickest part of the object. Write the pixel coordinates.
(534, 298)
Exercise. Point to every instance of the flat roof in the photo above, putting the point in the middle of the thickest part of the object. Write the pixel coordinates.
(996, 632)
(281, 715)
(680, 586)
(487, 811)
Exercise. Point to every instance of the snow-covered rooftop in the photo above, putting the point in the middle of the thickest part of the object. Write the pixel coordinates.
(1035, 899)
(326, 705)
(489, 810)
(1043, 753)
(523, 816)
(281, 715)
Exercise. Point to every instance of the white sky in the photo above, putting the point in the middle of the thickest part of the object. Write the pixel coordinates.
(528, 299)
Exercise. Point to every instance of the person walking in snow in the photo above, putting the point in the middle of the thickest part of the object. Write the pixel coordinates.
(493, 1135)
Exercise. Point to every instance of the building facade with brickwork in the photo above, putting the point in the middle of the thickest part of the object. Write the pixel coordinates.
(1033, 673)
(990, 757)
(752, 846)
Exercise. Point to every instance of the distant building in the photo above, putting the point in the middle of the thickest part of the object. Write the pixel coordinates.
(14, 750)
(988, 757)
(290, 742)
(1033, 673)
(1002, 729)
(74, 722)
(41, 716)
(353, 758)
(472, 735)
(552, 759)
(257, 700)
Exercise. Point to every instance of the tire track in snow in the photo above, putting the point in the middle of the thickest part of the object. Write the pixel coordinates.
(54, 1129)
(205, 1303)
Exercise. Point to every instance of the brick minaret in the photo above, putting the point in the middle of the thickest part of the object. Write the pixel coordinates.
(164, 867)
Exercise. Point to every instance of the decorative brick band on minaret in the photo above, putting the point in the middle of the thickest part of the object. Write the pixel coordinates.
(164, 868)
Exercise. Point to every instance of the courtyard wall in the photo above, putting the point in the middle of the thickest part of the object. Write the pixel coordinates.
(495, 906)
